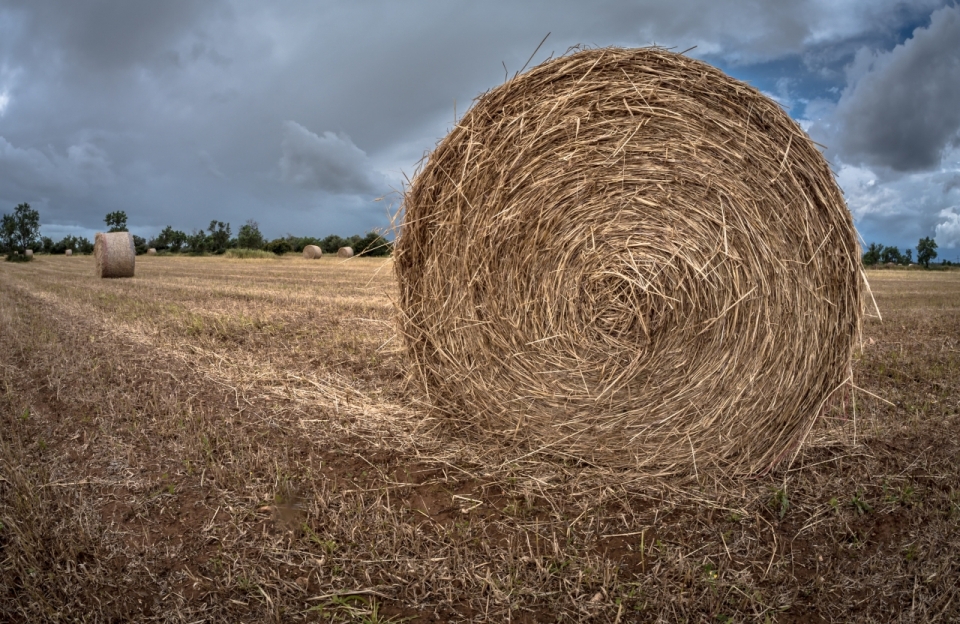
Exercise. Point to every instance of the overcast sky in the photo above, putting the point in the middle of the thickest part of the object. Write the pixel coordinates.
(301, 114)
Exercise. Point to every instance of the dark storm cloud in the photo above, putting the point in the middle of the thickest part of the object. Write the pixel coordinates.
(298, 114)
(901, 110)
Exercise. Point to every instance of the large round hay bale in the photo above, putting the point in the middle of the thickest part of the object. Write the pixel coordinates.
(68, 252)
(115, 254)
(345, 252)
(152, 251)
(29, 253)
(628, 257)
(312, 252)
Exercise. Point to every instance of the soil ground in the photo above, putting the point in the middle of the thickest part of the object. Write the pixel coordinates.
(234, 441)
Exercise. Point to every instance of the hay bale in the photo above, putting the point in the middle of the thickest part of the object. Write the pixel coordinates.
(152, 251)
(345, 252)
(312, 252)
(115, 254)
(68, 252)
(628, 257)
(29, 253)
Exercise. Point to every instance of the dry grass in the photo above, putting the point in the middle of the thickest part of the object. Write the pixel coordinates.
(627, 258)
(232, 440)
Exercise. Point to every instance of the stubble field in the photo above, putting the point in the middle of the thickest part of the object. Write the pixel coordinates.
(234, 440)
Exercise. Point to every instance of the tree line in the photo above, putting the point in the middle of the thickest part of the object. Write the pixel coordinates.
(880, 254)
(20, 231)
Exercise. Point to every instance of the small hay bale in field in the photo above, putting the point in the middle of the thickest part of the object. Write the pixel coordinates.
(29, 253)
(68, 252)
(151, 252)
(115, 254)
(312, 252)
(345, 252)
(628, 257)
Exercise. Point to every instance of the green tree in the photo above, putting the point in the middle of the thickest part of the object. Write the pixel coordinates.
(219, 238)
(278, 246)
(84, 246)
(249, 236)
(891, 254)
(331, 244)
(21, 230)
(171, 239)
(907, 257)
(373, 245)
(67, 242)
(872, 255)
(116, 221)
(926, 251)
(139, 245)
(197, 242)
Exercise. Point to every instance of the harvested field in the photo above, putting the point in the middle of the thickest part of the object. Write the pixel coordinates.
(233, 440)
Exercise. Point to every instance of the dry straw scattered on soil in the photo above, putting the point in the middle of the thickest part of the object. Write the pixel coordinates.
(626, 257)
(312, 252)
(345, 252)
(115, 254)
(68, 252)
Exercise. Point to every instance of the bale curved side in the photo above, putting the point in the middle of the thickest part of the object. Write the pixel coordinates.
(626, 256)
(345, 252)
(115, 254)
(312, 252)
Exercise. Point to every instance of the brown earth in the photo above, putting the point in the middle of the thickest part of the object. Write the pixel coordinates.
(233, 440)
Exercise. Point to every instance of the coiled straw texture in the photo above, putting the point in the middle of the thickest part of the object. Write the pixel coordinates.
(626, 257)
(115, 254)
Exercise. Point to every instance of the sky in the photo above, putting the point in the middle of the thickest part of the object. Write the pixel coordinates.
(309, 117)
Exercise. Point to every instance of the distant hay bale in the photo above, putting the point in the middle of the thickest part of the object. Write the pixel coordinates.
(345, 252)
(151, 252)
(115, 254)
(68, 252)
(627, 257)
(312, 252)
(29, 253)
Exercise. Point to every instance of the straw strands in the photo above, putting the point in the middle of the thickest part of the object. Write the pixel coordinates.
(626, 257)
(312, 252)
(115, 254)
(345, 252)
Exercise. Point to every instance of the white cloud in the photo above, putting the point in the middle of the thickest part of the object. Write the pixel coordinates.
(948, 231)
(899, 109)
(4, 102)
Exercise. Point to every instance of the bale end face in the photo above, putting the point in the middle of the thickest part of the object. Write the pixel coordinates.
(115, 254)
(641, 262)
